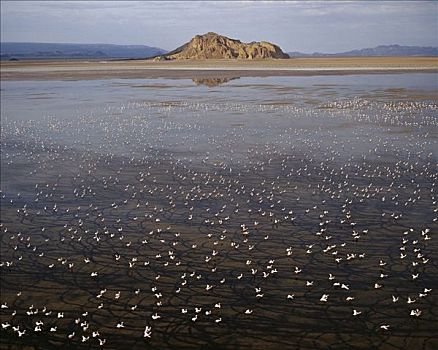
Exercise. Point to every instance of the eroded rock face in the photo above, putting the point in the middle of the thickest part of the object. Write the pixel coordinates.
(215, 46)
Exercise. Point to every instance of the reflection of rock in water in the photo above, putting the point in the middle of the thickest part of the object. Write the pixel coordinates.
(211, 82)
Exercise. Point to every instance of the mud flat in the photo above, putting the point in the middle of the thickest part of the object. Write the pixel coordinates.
(208, 68)
(261, 213)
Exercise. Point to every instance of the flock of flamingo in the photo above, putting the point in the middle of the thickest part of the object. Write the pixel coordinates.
(221, 225)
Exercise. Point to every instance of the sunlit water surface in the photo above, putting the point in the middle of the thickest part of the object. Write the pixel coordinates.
(252, 213)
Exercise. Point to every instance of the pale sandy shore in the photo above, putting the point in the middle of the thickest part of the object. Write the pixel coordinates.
(213, 68)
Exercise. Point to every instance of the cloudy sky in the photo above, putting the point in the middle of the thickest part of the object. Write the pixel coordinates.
(306, 26)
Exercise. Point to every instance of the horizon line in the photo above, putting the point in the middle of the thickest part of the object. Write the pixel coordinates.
(160, 48)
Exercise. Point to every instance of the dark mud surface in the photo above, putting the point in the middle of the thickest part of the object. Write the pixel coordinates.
(257, 214)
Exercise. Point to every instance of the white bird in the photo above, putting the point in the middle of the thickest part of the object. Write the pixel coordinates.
(324, 297)
(416, 312)
(147, 332)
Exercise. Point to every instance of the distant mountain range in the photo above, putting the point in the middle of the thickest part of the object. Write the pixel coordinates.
(382, 50)
(41, 51)
(27, 51)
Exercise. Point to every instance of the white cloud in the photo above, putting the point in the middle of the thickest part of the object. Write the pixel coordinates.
(295, 25)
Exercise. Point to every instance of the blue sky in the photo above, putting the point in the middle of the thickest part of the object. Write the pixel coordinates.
(305, 26)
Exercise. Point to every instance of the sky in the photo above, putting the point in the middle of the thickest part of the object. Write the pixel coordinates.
(305, 26)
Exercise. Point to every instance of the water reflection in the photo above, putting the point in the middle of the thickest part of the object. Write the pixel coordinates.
(211, 82)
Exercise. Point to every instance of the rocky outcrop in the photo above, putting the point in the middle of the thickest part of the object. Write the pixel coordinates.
(215, 46)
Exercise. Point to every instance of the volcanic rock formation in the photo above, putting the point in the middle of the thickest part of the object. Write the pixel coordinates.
(215, 46)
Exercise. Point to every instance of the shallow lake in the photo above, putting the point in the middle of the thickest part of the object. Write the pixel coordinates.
(262, 213)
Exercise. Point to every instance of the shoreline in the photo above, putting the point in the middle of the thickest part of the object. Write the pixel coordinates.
(65, 70)
(194, 74)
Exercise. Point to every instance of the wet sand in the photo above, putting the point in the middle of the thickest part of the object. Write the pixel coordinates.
(210, 68)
